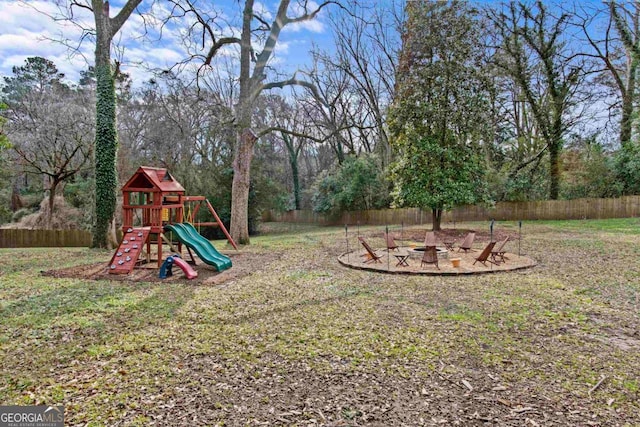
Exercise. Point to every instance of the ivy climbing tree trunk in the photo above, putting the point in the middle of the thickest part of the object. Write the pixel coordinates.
(106, 143)
(105, 154)
(627, 106)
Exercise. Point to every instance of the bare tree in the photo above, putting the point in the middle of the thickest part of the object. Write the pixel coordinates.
(547, 74)
(256, 29)
(49, 124)
(366, 55)
(291, 127)
(617, 48)
(174, 125)
(102, 34)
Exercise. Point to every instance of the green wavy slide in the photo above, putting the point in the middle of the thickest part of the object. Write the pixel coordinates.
(189, 237)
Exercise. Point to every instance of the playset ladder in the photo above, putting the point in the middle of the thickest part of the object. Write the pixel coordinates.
(129, 250)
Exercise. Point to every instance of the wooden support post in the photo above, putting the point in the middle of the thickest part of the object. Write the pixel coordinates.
(159, 249)
(170, 243)
(149, 248)
(193, 260)
(224, 229)
(196, 208)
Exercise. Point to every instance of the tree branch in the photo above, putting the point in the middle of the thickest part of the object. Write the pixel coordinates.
(217, 45)
(294, 81)
(311, 15)
(118, 21)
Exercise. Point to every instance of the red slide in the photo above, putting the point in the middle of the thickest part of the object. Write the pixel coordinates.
(189, 272)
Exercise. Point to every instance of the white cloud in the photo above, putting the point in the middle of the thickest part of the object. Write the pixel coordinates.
(160, 57)
(263, 11)
(25, 32)
(29, 30)
(314, 26)
(23, 41)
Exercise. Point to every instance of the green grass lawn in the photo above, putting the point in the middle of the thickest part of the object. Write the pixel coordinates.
(302, 340)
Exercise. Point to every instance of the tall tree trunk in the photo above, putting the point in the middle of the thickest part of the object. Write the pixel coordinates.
(554, 170)
(626, 120)
(555, 148)
(251, 85)
(436, 218)
(106, 148)
(106, 143)
(243, 150)
(293, 163)
(296, 182)
(240, 187)
(628, 31)
(52, 198)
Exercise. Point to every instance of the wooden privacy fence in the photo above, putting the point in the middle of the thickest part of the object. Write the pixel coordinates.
(622, 207)
(22, 238)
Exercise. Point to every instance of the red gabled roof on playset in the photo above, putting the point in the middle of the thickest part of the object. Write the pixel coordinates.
(153, 179)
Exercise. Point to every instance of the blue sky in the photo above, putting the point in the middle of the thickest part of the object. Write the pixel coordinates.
(25, 32)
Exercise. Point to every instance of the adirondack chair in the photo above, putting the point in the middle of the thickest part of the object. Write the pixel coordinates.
(497, 254)
(430, 239)
(430, 257)
(467, 243)
(370, 255)
(485, 254)
(391, 243)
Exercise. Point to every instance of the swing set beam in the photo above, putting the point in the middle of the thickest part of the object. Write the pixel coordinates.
(218, 222)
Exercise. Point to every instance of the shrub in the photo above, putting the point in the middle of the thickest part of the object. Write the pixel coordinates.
(21, 213)
(627, 168)
(65, 217)
(357, 184)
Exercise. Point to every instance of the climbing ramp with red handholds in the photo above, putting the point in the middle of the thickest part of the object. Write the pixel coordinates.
(129, 250)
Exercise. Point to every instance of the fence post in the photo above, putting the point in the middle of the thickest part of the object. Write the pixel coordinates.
(346, 236)
(519, 235)
(386, 227)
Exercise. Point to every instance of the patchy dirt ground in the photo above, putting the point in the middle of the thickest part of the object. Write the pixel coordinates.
(243, 264)
(290, 337)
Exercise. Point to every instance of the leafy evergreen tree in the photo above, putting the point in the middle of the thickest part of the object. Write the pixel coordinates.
(438, 119)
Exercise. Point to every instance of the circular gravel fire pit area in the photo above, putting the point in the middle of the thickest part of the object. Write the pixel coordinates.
(418, 253)
(408, 260)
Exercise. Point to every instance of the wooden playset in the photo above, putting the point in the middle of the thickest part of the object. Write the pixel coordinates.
(154, 203)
